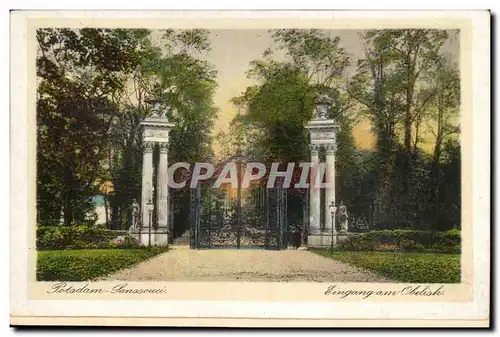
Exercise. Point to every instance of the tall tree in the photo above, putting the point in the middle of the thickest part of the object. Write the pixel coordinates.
(280, 106)
(396, 85)
(442, 114)
(412, 53)
(376, 87)
(284, 99)
(444, 103)
(92, 93)
(78, 74)
(170, 70)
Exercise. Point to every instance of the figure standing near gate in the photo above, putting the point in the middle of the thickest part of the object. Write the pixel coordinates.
(135, 215)
(342, 215)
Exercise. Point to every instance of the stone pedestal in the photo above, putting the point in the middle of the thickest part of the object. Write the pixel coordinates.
(159, 237)
(321, 240)
(324, 240)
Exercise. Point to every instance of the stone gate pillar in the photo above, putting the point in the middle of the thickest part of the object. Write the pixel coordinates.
(156, 131)
(323, 132)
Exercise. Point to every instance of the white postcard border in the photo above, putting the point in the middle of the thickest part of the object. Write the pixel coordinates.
(476, 309)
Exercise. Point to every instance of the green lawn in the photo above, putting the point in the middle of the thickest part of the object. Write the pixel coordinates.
(404, 267)
(88, 264)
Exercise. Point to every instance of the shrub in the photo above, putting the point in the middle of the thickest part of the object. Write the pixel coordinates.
(80, 237)
(410, 240)
(410, 245)
(83, 265)
(386, 247)
(360, 243)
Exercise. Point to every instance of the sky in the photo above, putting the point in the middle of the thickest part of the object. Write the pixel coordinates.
(233, 50)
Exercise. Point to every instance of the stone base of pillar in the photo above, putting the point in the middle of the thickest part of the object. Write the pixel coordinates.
(324, 240)
(159, 237)
(315, 231)
(135, 235)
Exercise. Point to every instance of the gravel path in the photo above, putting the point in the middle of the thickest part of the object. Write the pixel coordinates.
(184, 264)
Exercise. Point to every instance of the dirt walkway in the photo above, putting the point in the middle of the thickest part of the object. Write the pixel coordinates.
(184, 264)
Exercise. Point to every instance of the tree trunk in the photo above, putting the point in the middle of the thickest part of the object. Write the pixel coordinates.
(106, 209)
(436, 158)
(67, 210)
(407, 158)
(68, 198)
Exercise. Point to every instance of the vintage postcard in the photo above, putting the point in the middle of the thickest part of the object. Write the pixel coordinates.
(250, 168)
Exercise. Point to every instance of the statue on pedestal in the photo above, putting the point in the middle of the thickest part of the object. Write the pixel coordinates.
(342, 214)
(136, 215)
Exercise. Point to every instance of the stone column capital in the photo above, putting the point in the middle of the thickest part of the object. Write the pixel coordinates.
(331, 148)
(314, 149)
(148, 147)
(163, 147)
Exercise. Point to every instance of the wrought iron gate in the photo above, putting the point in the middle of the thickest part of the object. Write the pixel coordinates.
(232, 217)
(256, 221)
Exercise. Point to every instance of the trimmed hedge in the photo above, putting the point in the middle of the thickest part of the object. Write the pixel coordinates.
(408, 240)
(83, 265)
(404, 267)
(81, 237)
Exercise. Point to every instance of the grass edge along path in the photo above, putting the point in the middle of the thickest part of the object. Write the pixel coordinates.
(403, 266)
(88, 264)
